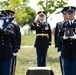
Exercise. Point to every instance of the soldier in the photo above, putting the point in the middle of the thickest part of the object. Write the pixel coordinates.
(16, 29)
(58, 41)
(6, 52)
(43, 38)
(16, 42)
(68, 35)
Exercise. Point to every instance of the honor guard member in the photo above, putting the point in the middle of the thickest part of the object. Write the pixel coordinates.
(68, 35)
(6, 52)
(58, 29)
(43, 38)
(16, 29)
(16, 42)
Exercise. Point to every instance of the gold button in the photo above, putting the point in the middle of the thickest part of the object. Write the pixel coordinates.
(2, 37)
(2, 43)
(2, 40)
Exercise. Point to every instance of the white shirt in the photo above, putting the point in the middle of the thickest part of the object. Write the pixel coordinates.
(71, 21)
(42, 21)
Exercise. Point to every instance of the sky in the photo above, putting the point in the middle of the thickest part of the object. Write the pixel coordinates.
(55, 18)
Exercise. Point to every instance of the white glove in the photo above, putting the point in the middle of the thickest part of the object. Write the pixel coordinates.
(49, 46)
(56, 48)
(15, 54)
(59, 53)
(64, 37)
(73, 37)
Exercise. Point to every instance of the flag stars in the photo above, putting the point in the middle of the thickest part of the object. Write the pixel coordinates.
(7, 20)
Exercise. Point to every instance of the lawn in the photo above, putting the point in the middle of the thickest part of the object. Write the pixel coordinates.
(29, 40)
(27, 57)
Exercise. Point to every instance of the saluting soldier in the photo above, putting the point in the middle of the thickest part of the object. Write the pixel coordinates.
(6, 52)
(68, 35)
(43, 38)
(58, 29)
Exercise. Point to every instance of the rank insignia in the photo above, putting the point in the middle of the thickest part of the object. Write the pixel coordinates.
(46, 28)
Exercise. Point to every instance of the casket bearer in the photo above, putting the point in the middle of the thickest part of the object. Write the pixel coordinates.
(58, 29)
(6, 52)
(69, 43)
(15, 42)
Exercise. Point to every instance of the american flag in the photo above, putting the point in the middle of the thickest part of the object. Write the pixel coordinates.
(4, 22)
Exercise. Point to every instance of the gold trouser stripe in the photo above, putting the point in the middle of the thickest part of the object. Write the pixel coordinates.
(42, 34)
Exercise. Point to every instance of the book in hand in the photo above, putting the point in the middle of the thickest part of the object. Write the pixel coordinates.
(69, 32)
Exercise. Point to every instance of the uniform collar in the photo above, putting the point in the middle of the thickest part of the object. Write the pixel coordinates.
(42, 21)
(71, 21)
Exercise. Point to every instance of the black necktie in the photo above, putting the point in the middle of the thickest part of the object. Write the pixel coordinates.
(42, 23)
(71, 23)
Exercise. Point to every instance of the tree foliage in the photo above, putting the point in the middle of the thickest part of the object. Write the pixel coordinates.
(51, 6)
(23, 13)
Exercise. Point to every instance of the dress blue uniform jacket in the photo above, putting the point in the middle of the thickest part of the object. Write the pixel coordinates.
(5, 45)
(18, 34)
(42, 42)
(16, 42)
(57, 32)
(68, 45)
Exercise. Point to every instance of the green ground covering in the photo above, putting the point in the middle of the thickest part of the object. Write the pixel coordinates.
(27, 57)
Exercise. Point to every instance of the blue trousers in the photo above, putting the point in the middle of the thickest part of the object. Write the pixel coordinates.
(69, 66)
(5, 67)
(61, 65)
(13, 68)
(41, 57)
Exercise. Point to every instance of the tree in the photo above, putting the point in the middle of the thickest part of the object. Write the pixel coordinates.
(23, 13)
(32, 14)
(51, 6)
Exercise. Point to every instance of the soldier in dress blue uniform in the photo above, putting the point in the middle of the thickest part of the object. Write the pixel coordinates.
(15, 42)
(6, 52)
(16, 29)
(43, 38)
(68, 36)
(58, 41)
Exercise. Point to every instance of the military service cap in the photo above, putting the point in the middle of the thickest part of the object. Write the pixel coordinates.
(1, 14)
(64, 10)
(10, 12)
(41, 13)
(71, 9)
(7, 12)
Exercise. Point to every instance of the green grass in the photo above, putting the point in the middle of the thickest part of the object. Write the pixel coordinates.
(29, 40)
(27, 58)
